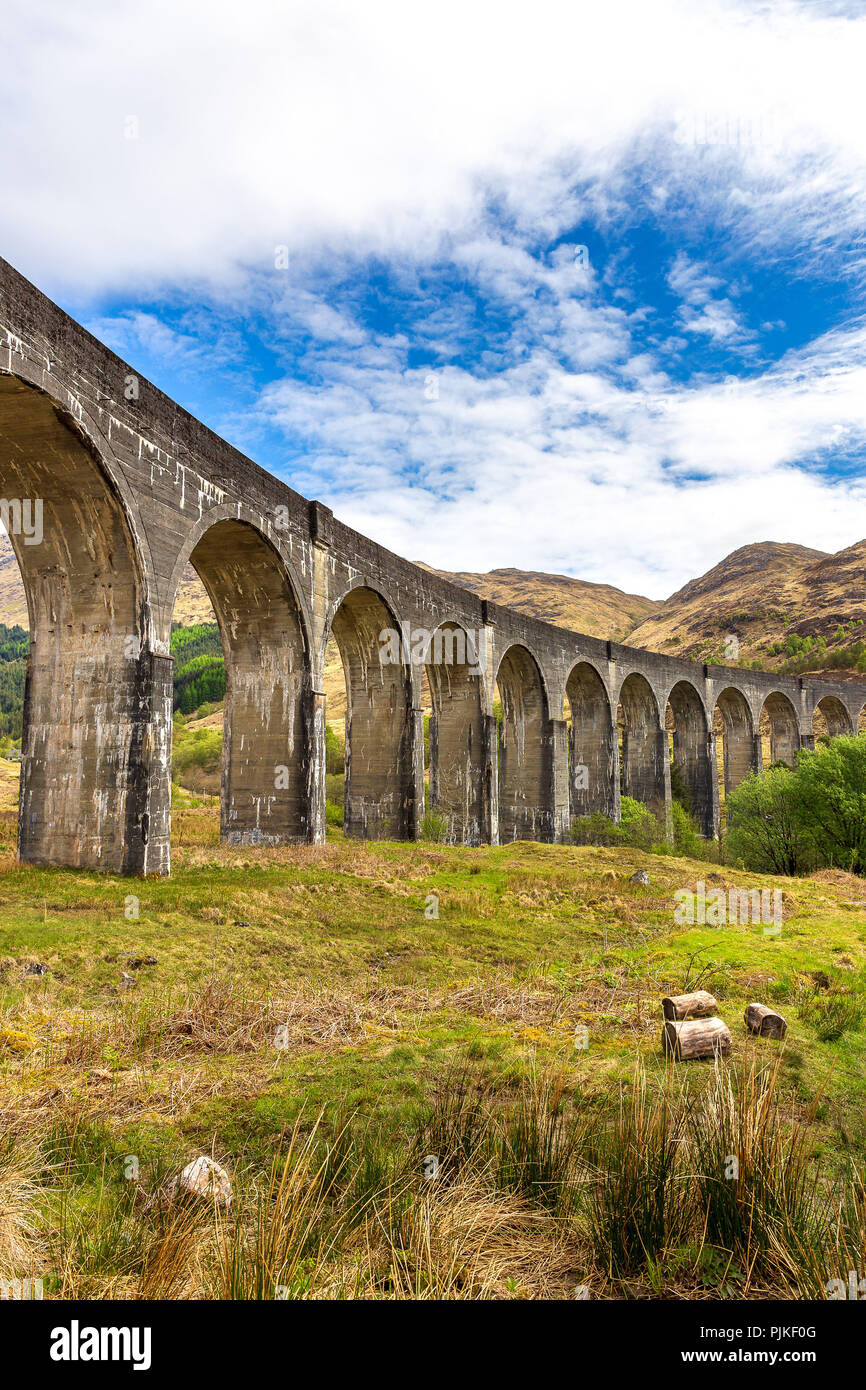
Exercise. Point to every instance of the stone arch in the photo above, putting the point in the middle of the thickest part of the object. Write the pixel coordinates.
(97, 701)
(70, 413)
(642, 744)
(591, 743)
(237, 512)
(692, 752)
(735, 739)
(525, 750)
(458, 732)
(780, 730)
(830, 718)
(383, 733)
(267, 790)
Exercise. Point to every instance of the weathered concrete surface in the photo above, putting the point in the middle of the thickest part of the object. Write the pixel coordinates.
(95, 711)
(593, 745)
(526, 787)
(694, 752)
(132, 488)
(458, 746)
(265, 782)
(382, 724)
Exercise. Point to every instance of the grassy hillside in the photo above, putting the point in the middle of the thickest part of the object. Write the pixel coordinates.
(791, 609)
(14, 643)
(354, 1009)
(599, 610)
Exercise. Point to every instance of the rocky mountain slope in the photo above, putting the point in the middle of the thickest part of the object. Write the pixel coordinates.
(599, 610)
(786, 606)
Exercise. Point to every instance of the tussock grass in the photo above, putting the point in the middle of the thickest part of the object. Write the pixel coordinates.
(640, 1205)
(20, 1165)
(532, 1193)
(755, 1183)
(281, 1234)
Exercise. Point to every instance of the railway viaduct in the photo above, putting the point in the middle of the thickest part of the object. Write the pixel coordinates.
(128, 489)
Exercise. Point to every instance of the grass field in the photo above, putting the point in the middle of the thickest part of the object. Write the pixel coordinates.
(335, 1024)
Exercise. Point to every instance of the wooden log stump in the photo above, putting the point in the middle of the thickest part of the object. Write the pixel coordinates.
(695, 1038)
(697, 1005)
(765, 1021)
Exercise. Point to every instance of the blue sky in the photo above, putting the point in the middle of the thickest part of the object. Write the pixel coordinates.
(566, 288)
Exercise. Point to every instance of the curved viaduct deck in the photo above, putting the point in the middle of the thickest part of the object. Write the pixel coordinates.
(111, 489)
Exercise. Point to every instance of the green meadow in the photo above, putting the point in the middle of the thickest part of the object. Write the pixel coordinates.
(428, 1072)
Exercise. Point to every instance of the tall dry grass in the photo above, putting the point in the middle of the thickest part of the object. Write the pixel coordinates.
(20, 1166)
(679, 1186)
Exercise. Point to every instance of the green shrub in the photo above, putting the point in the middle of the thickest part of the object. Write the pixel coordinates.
(435, 826)
(595, 829)
(791, 820)
(829, 787)
(687, 837)
(335, 787)
(335, 753)
(640, 827)
(764, 830)
(334, 814)
(201, 749)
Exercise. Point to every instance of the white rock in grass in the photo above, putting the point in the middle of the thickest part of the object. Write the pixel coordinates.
(204, 1178)
(640, 877)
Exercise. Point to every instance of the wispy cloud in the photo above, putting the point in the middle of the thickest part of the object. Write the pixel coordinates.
(572, 288)
(141, 144)
(613, 471)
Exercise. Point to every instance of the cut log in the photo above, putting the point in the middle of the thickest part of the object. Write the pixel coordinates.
(694, 1038)
(765, 1021)
(697, 1005)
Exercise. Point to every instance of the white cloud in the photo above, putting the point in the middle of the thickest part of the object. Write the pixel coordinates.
(715, 318)
(133, 332)
(387, 129)
(692, 282)
(386, 125)
(643, 485)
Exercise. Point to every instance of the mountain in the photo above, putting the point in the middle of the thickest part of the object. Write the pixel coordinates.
(599, 610)
(788, 606)
(192, 606)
